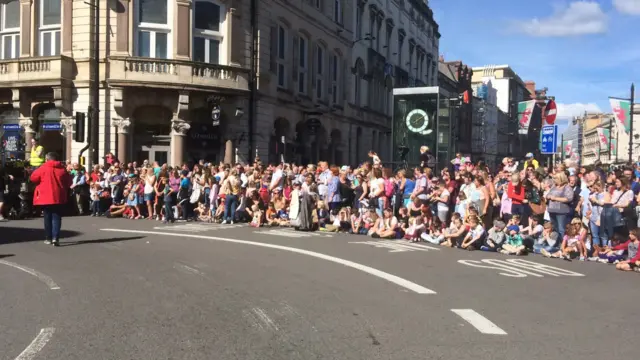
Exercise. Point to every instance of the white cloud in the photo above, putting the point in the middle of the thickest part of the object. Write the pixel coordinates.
(568, 111)
(579, 18)
(631, 7)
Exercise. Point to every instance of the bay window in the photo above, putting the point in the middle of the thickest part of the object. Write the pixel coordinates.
(208, 32)
(49, 20)
(153, 28)
(10, 29)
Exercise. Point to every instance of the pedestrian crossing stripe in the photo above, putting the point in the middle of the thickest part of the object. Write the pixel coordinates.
(397, 245)
(199, 227)
(294, 233)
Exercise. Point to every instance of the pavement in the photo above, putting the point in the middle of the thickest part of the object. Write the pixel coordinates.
(138, 289)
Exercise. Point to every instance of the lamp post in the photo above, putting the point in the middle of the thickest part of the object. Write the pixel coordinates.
(633, 90)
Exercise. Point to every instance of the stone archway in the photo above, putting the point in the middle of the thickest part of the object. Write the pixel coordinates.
(281, 144)
(335, 147)
(49, 131)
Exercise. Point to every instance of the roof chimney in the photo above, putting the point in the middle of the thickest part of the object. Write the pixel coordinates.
(441, 58)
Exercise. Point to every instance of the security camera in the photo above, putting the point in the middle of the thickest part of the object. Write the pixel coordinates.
(239, 112)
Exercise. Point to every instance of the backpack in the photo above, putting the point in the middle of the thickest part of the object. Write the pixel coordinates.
(389, 188)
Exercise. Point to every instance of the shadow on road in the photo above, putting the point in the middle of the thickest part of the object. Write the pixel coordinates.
(12, 235)
(2, 256)
(98, 241)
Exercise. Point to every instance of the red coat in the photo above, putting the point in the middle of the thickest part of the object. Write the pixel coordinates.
(53, 183)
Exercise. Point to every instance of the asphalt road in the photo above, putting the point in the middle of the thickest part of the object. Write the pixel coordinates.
(203, 291)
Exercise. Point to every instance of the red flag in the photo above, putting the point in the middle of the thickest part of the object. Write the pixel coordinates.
(550, 112)
(465, 97)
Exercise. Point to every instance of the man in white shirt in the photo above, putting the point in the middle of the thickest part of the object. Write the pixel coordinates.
(277, 179)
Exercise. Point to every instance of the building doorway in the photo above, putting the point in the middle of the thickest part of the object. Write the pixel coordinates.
(152, 134)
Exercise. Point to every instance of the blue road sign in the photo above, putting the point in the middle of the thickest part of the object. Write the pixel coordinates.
(549, 139)
(51, 126)
(11, 127)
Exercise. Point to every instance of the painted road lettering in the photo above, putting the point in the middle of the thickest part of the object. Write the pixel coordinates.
(396, 245)
(520, 268)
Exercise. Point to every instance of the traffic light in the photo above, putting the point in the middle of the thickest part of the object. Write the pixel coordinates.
(80, 126)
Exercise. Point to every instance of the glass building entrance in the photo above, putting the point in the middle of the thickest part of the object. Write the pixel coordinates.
(422, 117)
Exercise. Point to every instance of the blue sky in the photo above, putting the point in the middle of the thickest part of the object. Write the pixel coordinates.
(583, 51)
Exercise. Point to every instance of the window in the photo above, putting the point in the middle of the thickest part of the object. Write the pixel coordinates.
(410, 62)
(356, 89)
(281, 58)
(337, 11)
(10, 29)
(49, 16)
(358, 30)
(319, 72)
(318, 4)
(153, 29)
(389, 32)
(400, 43)
(207, 32)
(303, 65)
(334, 78)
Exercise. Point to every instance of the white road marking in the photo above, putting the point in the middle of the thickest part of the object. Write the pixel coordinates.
(520, 268)
(479, 322)
(294, 234)
(397, 245)
(37, 344)
(187, 269)
(198, 227)
(265, 318)
(369, 270)
(42, 277)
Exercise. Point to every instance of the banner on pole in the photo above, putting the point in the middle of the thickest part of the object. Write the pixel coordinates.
(622, 112)
(525, 112)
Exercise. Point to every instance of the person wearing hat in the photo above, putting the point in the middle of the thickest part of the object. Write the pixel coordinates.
(513, 243)
(530, 161)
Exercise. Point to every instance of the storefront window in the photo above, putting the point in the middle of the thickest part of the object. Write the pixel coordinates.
(421, 117)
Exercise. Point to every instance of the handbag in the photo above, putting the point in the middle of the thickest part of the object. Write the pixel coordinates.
(195, 196)
(618, 219)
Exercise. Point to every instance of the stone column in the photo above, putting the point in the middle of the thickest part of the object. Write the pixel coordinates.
(233, 46)
(29, 134)
(179, 129)
(68, 122)
(229, 152)
(122, 127)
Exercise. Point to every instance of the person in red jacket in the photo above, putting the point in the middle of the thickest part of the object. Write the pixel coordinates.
(52, 192)
(516, 192)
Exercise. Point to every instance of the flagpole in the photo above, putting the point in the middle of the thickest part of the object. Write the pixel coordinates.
(610, 137)
(617, 145)
(631, 125)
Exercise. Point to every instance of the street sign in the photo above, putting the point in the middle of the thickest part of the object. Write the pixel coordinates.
(549, 139)
(51, 126)
(13, 127)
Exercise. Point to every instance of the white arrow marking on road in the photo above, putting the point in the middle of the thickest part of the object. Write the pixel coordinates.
(369, 270)
(37, 344)
(42, 277)
(479, 322)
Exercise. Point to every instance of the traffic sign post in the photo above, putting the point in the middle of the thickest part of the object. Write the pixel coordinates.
(549, 139)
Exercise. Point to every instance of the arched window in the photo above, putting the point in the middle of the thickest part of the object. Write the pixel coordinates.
(208, 32)
(49, 19)
(153, 28)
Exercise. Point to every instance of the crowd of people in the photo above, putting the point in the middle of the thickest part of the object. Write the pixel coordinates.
(566, 212)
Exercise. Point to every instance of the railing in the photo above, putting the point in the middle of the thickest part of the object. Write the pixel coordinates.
(36, 70)
(177, 72)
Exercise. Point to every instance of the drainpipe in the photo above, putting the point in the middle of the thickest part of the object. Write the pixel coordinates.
(252, 79)
(95, 95)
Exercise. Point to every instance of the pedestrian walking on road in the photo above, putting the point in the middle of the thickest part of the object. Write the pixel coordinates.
(52, 192)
